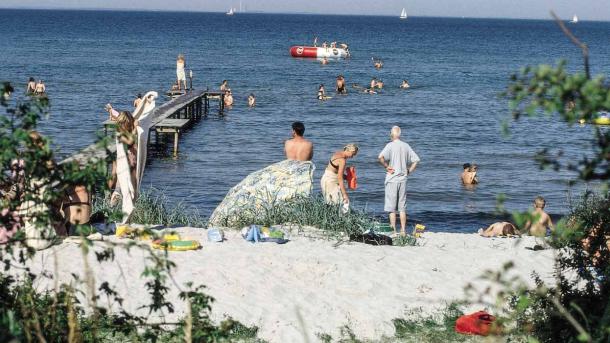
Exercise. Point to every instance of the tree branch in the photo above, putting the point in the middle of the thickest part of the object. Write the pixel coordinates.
(578, 43)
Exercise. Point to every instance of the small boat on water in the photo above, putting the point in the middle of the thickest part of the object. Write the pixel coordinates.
(574, 19)
(231, 11)
(403, 14)
(319, 52)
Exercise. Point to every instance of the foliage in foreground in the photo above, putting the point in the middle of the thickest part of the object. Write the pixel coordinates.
(577, 309)
(312, 211)
(151, 207)
(31, 179)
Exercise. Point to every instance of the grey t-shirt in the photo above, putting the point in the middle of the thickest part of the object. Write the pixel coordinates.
(399, 156)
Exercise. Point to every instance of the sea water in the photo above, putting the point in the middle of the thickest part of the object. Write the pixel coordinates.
(452, 115)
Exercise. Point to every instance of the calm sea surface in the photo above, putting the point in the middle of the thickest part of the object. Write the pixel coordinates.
(452, 115)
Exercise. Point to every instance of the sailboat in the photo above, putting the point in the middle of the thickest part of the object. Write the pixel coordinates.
(574, 19)
(231, 12)
(403, 14)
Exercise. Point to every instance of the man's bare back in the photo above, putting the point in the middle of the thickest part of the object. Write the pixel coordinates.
(298, 148)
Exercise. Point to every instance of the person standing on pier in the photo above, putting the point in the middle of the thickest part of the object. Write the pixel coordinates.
(180, 73)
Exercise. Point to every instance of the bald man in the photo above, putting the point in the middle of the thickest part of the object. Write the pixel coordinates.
(399, 160)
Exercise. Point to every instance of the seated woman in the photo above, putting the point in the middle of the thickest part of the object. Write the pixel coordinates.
(224, 85)
(500, 229)
(333, 187)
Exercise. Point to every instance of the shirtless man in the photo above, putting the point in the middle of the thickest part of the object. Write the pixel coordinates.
(298, 148)
(469, 175)
(40, 87)
(544, 220)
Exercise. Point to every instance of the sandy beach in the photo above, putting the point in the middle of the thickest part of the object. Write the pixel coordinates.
(328, 286)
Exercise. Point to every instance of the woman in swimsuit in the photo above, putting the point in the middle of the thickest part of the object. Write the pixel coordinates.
(332, 184)
(321, 93)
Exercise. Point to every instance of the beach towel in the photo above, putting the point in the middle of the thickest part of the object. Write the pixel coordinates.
(264, 189)
(478, 323)
(129, 191)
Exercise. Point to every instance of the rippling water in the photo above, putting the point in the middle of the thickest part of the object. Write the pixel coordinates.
(452, 115)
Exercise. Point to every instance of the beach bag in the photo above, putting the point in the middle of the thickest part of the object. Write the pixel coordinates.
(351, 178)
(478, 323)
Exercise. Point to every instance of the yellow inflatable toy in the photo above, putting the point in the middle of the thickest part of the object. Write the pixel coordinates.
(176, 245)
(602, 121)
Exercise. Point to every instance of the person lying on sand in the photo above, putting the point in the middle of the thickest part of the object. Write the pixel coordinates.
(500, 229)
(544, 221)
(469, 175)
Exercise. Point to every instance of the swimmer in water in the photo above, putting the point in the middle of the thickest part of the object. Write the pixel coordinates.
(31, 88)
(373, 83)
(324, 61)
(251, 100)
(321, 93)
(228, 98)
(379, 84)
(40, 88)
(405, 84)
(341, 85)
(377, 63)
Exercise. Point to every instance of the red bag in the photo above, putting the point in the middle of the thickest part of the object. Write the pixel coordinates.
(478, 323)
(350, 177)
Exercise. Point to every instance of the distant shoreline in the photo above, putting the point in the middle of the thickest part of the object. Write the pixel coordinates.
(254, 12)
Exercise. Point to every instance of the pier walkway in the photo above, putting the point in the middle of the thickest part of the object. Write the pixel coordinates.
(172, 117)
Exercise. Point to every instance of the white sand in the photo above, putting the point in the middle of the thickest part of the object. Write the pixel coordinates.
(272, 285)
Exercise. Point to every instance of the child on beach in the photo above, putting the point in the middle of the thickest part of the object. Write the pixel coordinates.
(543, 221)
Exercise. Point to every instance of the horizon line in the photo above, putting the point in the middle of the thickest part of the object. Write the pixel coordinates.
(101, 9)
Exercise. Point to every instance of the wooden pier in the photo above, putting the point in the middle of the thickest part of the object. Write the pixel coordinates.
(172, 117)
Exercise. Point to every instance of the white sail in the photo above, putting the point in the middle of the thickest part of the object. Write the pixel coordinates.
(575, 19)
(403, 14)
(230, 11)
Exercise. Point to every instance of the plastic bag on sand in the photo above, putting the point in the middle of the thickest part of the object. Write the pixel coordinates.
(215, 235)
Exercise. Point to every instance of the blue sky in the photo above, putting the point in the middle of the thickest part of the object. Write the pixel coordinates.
(585, 9)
